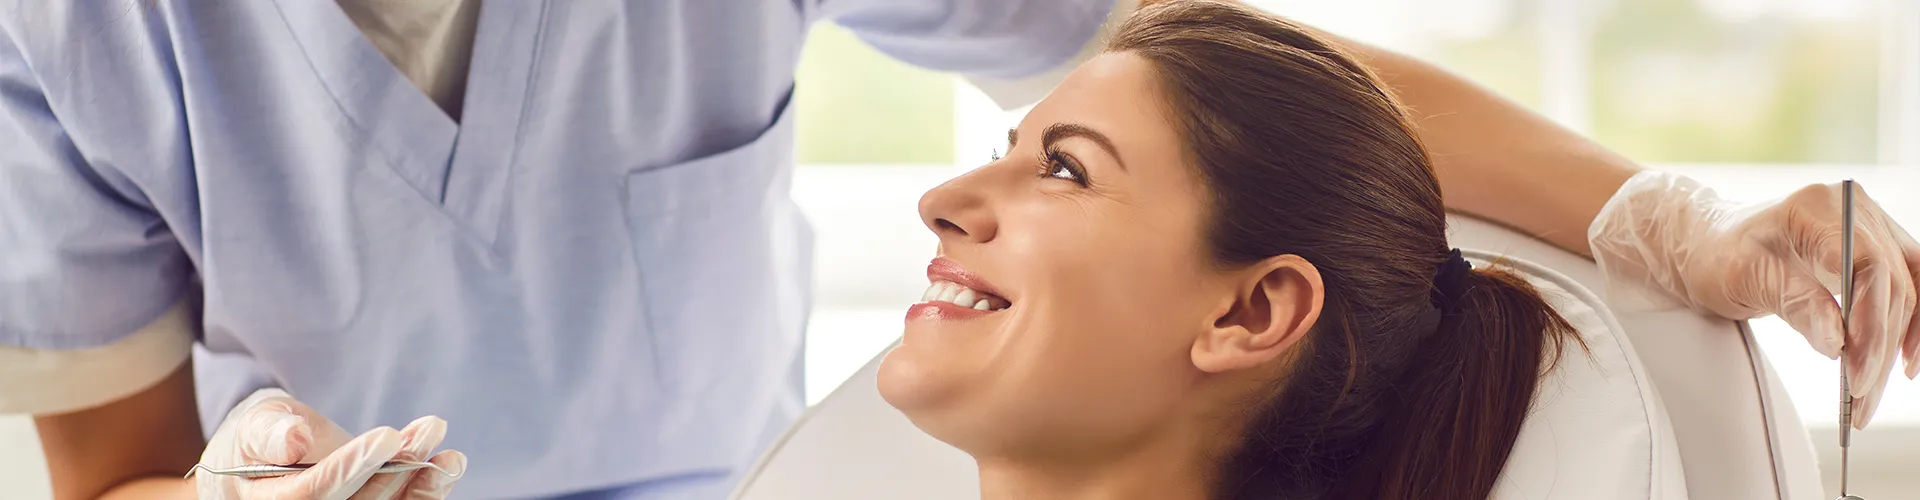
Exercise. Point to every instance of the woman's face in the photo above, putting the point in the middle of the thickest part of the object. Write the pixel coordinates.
(1086, 241)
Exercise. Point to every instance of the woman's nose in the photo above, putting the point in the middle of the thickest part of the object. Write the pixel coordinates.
(958, 210)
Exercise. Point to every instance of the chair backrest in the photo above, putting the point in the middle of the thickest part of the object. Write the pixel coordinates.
(1737, 431)
(1598, 427)
(1602, 426)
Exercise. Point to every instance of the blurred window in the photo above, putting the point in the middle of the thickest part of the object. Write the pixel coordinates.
(856, 106)
(1749, 81)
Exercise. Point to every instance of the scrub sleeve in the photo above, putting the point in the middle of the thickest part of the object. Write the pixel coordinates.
(1014, 51)
(93, 286)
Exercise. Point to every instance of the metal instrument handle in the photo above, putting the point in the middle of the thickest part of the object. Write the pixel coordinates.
(1846, 328)
(256, 471)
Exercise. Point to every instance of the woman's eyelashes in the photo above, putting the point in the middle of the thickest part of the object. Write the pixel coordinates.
(1059, 165)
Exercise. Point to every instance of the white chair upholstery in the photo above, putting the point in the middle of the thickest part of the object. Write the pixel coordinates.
(1738, 434)
(1598, 428)
(1604, 426)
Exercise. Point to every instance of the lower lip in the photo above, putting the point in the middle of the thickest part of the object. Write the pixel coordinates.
(943, 311)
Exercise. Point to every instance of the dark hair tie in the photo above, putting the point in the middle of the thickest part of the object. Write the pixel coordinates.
(1449, 282)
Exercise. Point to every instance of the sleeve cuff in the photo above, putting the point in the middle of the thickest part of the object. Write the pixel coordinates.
(1010, 94)
(47, 381)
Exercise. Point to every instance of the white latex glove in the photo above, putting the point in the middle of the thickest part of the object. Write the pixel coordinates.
(1777, 257)
(270, 427)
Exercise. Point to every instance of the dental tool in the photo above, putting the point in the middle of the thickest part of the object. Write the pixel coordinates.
(1846, 327)
(257, 471)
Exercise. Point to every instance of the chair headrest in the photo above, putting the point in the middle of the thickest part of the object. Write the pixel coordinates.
(1598, 429)
(1736, 429)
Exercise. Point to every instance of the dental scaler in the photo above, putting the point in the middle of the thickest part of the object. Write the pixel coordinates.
(1846, 327)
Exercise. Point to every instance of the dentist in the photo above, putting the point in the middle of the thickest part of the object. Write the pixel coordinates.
(565, 227)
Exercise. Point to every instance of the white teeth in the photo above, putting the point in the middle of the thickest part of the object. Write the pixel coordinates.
(966, 298)
(960, 295)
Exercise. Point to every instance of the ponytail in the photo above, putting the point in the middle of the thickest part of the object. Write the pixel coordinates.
(1344, 426)
(1465, 394)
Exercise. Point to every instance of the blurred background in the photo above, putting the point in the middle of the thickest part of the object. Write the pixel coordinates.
(1754, 97)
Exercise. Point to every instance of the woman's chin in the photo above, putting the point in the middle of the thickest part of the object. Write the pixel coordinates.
(923, 389)
(906, 382)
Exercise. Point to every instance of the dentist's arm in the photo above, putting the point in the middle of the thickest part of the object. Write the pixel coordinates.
(85, 257)
(84, 261)
(1498, 160)
(132, 448)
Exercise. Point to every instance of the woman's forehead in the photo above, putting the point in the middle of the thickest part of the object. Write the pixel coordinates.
(1114, 84)
(1117, 95)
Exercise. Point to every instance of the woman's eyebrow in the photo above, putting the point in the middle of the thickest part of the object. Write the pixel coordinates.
(1061, 131)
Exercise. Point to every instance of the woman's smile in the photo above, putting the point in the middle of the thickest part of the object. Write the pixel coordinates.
(953, 293)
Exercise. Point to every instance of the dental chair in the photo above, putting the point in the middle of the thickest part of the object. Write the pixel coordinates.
(1666, 404)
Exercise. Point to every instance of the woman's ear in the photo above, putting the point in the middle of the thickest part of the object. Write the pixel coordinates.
(1274, 305)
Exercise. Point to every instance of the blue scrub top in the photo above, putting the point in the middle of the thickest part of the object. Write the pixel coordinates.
(597, 276)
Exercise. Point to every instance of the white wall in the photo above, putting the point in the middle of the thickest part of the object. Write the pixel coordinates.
(23, 474)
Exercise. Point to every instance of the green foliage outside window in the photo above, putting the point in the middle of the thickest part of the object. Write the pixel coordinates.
(858, 106)
(1669, 82)
(1773, 89)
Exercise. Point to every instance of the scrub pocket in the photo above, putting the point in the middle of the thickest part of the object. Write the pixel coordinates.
(723, 256)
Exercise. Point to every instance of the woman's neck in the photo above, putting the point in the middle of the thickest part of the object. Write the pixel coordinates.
(1177, 459)
(1160, 474)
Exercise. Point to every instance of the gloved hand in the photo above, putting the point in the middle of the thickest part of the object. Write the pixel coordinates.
(1777, 257)
(270, 427)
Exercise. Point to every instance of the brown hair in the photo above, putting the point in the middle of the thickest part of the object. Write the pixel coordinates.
(1306, 152)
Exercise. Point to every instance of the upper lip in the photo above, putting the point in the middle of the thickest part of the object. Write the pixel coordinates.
(944, 269)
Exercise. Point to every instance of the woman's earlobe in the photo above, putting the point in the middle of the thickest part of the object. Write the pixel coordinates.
(1225, 350)
(1279, 303)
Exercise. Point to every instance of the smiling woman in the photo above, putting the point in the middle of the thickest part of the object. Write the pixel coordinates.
(1214, 265)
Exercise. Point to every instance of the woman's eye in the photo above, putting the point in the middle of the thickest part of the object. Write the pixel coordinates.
(1060, 166)
(1060, 171)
